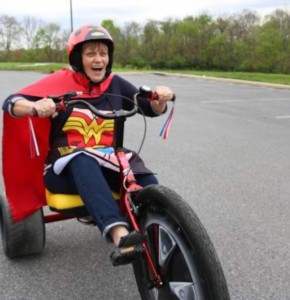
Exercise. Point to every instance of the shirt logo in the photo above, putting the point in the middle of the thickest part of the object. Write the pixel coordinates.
(83, 129)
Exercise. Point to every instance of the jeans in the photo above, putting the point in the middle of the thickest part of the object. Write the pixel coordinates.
(94, 184)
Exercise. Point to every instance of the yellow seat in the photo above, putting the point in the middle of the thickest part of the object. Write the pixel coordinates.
(65, 202)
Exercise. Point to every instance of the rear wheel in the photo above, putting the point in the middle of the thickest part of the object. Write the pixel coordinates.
(24, 237)
(181, 250)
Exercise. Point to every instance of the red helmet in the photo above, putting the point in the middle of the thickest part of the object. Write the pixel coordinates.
(84, 34)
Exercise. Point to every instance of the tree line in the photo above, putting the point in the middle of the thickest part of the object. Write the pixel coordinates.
(238, 42)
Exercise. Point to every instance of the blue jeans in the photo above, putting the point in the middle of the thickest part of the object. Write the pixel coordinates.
(84, 176)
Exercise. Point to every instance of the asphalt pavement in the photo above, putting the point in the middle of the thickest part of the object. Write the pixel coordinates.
(227, 155)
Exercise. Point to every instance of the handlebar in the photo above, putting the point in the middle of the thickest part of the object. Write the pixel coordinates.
(114, 115)
(65, 100)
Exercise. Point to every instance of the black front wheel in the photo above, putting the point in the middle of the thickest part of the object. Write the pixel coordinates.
(181, 250)
(24, 237)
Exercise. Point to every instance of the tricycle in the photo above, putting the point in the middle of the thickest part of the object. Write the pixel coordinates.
(178, 260)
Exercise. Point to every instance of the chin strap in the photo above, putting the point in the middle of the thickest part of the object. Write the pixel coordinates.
(165, 129)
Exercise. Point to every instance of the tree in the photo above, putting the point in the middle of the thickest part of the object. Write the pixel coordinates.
(129, 52)
(10, 31)
(150, 42)
(115, 32)
(31, 26)
(280, 21)
(219, 52)
(269, 48)
(49, 41)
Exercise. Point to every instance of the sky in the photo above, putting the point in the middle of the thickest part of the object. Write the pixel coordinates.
(125, 11)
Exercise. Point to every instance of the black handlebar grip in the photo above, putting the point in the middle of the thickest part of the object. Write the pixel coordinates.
(145, 91)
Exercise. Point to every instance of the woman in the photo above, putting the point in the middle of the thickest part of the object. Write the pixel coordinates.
(78, 141)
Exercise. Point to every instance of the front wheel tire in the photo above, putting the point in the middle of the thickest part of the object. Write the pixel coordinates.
(181, 250)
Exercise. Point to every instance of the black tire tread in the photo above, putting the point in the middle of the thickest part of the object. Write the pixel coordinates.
(24, 237)
(196, 235)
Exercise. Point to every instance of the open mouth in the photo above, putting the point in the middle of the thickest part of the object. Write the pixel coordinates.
(97, 69)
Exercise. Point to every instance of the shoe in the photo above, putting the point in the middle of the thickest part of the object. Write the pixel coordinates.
(129, 249)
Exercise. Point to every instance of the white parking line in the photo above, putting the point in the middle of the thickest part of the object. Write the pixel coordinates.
(273, 99)
(240, 100)
(221, 101)
(243, 100)
(282, 117)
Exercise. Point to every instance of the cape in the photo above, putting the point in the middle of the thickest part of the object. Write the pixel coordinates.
(22, 166)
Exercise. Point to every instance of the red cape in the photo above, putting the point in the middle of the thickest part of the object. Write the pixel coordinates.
(22, 169)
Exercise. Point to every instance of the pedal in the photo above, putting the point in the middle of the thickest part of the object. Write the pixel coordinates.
(126, 255)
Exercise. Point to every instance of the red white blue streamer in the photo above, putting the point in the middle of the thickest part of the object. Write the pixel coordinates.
(165, 129)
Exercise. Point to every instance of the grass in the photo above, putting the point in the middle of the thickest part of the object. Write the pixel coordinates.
(39, 67)
(282, 79)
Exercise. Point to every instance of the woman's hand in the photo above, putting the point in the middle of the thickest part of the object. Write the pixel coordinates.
(164, 94)
(44, 108)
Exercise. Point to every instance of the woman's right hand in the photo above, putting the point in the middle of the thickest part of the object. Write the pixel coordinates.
(43, 108)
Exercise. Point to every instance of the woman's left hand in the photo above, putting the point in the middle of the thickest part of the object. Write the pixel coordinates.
(164, 94)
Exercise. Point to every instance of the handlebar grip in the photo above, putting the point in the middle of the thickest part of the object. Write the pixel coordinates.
(147, 92)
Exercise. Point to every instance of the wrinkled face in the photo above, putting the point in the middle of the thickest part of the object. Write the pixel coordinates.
(95, 58)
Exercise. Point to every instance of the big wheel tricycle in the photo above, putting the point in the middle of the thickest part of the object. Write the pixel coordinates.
(179, 260)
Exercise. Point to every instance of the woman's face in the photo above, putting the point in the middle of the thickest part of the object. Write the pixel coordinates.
(95, 58)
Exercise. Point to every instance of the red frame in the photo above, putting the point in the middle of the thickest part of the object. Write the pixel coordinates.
(129, 186)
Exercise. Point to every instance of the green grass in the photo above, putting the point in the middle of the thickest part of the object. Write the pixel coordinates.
(258, 77)
(40, 67)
